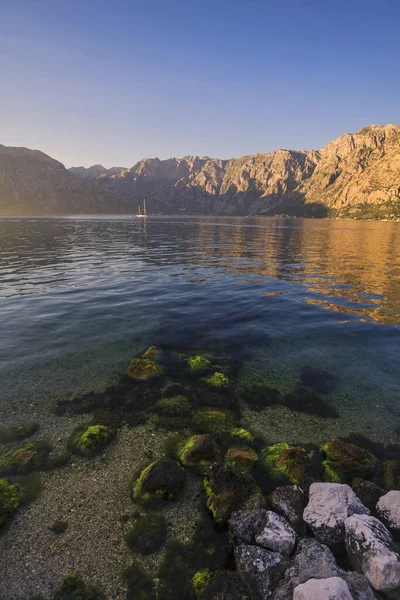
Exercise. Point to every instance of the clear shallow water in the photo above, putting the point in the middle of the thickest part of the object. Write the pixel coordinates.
(80, 296)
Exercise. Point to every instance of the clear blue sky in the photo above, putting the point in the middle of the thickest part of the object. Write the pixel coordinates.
(112, 82)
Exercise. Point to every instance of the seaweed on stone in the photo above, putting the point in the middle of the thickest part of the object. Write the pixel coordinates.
(287, 462)
(199, 581)
(147, 534)
(90, 440)
(73, 588)
(344, 462)
(10, 499)
(215, 422)
(18, 460)
(17, 432)
(198, 363)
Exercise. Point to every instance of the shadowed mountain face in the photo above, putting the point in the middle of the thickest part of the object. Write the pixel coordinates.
(356, 175)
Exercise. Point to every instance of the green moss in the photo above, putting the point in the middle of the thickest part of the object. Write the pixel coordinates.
(143, 369)
(90, 440)
(218, 381)
(10, 498)
(147, 534)
(17, 432)
(73, 588)
(242, 434)
(287, 461)
(329, 473)
(213, 421)
(345, 461)
(140, 585)
(241, 459)
(150, 353)
(136, 488)
(24, 458)
(175, 406)
(199, 450)
(198, 363)
(199, 581)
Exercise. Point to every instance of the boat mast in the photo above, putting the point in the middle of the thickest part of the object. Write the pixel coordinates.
(139, 209)
(144, 207)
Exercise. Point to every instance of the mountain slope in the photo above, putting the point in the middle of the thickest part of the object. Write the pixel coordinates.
(33, 183)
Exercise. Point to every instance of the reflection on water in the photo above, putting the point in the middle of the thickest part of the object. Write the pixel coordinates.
(79, 297)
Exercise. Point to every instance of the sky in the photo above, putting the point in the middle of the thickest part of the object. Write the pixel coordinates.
(113, 82)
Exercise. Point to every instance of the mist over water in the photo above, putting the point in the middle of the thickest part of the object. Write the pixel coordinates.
(314, 303)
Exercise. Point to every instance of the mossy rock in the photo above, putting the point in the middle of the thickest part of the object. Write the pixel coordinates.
(164, 477)
(199, 581)
(226, 491)
(148, 534)
(73, 588)
(225, 585)
(24, 459)
(241, 459)
(174, 406)
(391, 475)
(218, 381)
(242, 434)
(91, 440)
(291, 462)
(143, 369)
(10, 498)
(198, 363)
(17, 432)
(345, 461)
(199, 450)
(213, 421)
(151, 353)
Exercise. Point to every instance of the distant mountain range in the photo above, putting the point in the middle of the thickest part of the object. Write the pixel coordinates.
(356, 175)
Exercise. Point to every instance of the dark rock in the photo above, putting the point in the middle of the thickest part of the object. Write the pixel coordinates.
(367, 491)
(225, 586)
(241, 458)
(245, 524)
(257, 501)
(391, 475)
(276, 534)
(259, 570)
(289, 501)
(227, 491)
(199, 449)
(164, 477)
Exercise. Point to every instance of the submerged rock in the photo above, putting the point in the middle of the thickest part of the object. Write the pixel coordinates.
(255, 502)
(163, 477)
(227, 491)
(289, 501)
(289, 461)
(143, 369)
(198, 363)
(241, 459)
(367, 491)
(371, 552)
(216, 422)
(391, 475)
(259, 570)
(329, 506)
(91, 440)
(345, 461)
(10, 498)
(388, 509)
(199, 450)
(218, 381)
(73, 588)
(226, 585)
(199, 581)
(151, 352)
(147, 534)
(174, 406)
(245, 524)
(23, 459)
(276, 534)
(242, 434)
(17, 432)
(333, 588)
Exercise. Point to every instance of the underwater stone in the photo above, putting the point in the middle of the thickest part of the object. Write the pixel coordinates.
(199, 449)
(91, 440)
(388, 509)
(199, 581)
(243, 459)
(290, 461)
(73, 588)
(147, 534)
(163, 477)
(345, 461)
(330, 504)
(391, 475)
(333, 588)
(213, 421)
(225, 586)
(259, 570)
(227, 491)
(218, 381)
(370, 549)
(23, 459)
(143, 369)
(289, 501)
(242, 434)
(367, 491)
(198, 363)
(10, 498)
(173, 406)
(17, 432)
(150, 353)
(245, 524)
(276, 534)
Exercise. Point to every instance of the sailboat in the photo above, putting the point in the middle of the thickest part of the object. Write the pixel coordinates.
(144, 214)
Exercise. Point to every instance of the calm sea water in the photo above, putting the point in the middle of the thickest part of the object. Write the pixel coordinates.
(315, 302)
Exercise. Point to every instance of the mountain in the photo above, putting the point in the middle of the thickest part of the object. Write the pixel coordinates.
(357, 175)
(33, 183)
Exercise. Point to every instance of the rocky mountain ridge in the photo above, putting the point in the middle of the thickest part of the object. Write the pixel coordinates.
(356, 175)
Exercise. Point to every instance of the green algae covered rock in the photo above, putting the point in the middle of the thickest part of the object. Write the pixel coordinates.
(148, 534)
(24, 459)
(241, 459)
(391, 475)
(218, 381)
(91, 440)
(73, 588)
(242, 434)
(213, 421)
(174, 406)
(17, 432)
(345, 461)
(199, 450)
(226, 491)
(164, 477)
(288, 461)
(10, 498)
(198, 363)
(199, 581)
(151, 353)
(143, 369)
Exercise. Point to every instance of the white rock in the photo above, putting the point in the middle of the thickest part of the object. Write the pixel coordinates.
(329, 506)
(388, 509)
(371, 552)
(276, 535)
(333, 588)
